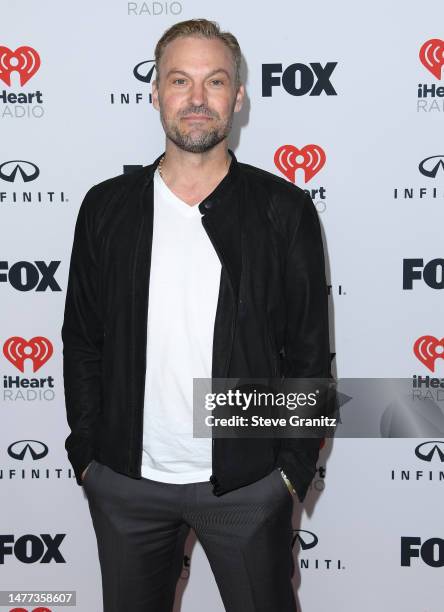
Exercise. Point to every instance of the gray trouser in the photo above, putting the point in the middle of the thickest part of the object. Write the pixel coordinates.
(141, 527)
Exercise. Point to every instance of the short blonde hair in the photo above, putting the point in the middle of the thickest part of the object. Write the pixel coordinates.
(204, 29)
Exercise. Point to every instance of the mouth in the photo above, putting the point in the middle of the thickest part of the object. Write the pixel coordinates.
(197, 118)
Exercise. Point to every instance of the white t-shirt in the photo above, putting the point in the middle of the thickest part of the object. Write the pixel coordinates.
(182, 300)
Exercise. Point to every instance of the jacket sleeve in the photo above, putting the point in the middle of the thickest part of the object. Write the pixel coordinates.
(306, 344)
(82, 335)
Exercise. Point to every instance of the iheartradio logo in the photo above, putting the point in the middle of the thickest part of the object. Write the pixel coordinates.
(38, 350)
(24, 60)
(428, 349)
(310, 159)
(431, 55)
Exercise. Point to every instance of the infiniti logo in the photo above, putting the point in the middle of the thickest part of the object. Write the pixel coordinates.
(306, 539)
(431, 168)
(35, 448)
(27, 170)
(141, 73)
(427, 450)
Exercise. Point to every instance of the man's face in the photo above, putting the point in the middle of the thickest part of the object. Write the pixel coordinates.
(196, 93)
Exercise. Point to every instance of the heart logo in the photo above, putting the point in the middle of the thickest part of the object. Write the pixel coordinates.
(431, 55)
(33, 610)
(289, 158)
(24, 60)
(428, 349)
(17, 350)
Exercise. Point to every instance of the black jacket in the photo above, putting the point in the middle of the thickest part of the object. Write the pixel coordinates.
(271, 318)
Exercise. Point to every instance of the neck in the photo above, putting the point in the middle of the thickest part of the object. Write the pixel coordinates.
(194, 173)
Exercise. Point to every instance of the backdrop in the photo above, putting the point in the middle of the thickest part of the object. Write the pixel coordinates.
(345, 99)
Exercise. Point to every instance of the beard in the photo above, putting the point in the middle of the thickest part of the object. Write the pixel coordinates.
(197, 140)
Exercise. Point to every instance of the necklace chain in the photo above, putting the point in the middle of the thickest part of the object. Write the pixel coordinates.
(159, 166)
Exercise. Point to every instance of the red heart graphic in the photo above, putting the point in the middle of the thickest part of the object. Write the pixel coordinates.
(425, 349)
(289, 158)
(34, 610)
(431, 55)
(17, 349)
(24, 60)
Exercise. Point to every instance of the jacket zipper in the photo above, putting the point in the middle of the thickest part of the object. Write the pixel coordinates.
(273, 353)
(144, 352)
(213, 478)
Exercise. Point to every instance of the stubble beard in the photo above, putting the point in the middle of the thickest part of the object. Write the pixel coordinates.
(204, 140)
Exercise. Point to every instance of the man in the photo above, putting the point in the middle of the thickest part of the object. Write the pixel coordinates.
(196, 266)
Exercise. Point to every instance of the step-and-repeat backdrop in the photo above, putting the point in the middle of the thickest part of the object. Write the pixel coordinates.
(357, 87)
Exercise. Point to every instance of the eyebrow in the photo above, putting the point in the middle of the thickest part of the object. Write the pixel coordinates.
(212, 73)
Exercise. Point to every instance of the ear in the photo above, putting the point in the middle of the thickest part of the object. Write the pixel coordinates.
(240, 95)
(155, 94)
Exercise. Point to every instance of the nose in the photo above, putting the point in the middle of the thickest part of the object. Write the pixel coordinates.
(198, 94)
